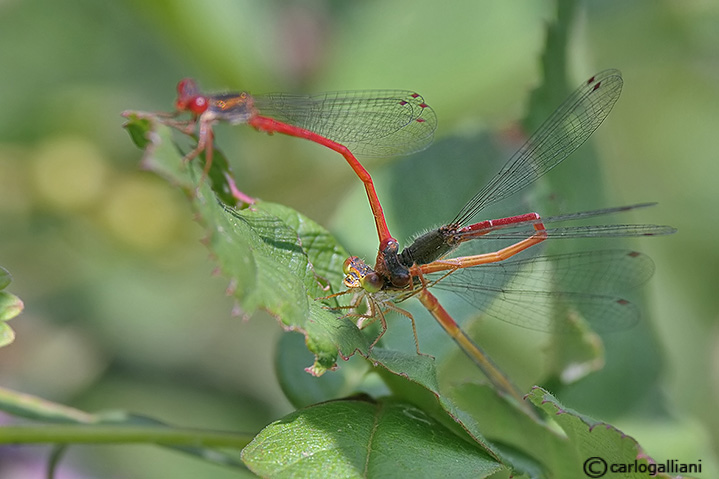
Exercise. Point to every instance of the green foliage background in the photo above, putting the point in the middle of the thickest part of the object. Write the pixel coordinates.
(122, 309)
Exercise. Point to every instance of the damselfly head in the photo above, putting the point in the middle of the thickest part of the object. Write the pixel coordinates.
(360, 275)
(189, 97)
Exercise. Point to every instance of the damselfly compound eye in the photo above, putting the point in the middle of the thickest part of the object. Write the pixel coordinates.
(372, 282)
(198, 104)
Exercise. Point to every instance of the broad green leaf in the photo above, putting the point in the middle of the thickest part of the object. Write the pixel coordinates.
(360, 438)
(277, 259)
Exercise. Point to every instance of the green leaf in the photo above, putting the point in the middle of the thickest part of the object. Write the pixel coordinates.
(10, 306)
(7, 335)
(587, 438)
(413, 379)
(277, 259)
(359, 438)
(528, 444)
(141, 128)
(5, 278)
(138, 127)
(535, 447)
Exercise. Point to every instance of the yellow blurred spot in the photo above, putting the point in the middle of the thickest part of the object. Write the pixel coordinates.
(69, 173)
(143, 212)
(14, 195)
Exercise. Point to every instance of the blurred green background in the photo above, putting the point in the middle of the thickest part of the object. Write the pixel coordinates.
(122, 307)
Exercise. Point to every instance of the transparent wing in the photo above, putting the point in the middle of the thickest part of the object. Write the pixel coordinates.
(532, 292)
(369, 123)
(559, 136)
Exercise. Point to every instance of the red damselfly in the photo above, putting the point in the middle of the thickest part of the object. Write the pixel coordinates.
(524, 290)
(367, 123)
